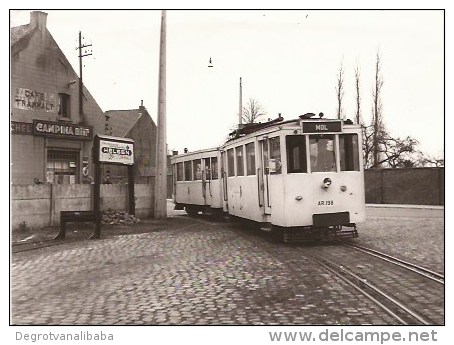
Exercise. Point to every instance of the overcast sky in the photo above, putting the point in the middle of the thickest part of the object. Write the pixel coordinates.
(288, 61)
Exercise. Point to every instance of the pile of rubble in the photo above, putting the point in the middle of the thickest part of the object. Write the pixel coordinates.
(118, 217)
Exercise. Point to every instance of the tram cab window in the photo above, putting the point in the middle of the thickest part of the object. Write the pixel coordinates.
(197, 166)
(187, 171)
(275, 156)
(296, 153)
(250, 159)
(214, 168)
(239, 161)
(180, 172)
(322, 153)
(349, 152)
(230, 163)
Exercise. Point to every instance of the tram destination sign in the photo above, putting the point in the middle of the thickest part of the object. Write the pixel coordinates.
(322, 127)
(114, 150)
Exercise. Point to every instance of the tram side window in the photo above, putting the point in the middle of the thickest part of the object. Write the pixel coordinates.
(207, 169)
(275, 156)
(349, 153)
(214, 168)
(180, 172)
(187, 171)
(230, 162)
(296, 153)
(322, 153)
(239, 161)
(250, 159)
(197, 166)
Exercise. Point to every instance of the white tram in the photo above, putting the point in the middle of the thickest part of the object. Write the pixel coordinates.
(303, 178)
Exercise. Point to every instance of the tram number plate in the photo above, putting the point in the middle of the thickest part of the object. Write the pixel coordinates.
(325, 203)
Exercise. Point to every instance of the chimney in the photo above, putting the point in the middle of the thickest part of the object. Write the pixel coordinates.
(141, 105)
(38, 19)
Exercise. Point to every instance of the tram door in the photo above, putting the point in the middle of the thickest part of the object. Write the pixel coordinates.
(264, 174)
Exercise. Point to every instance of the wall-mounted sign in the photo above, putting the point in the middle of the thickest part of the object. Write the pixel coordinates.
(62, 130)
(27, 99)
(21, 127)
(322, 126)
(114, 150)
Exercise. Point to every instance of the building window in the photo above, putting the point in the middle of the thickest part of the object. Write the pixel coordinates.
(250, 159)
(62, 167)
(64, 105)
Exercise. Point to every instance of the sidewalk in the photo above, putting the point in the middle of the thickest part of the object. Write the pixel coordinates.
(411, 211)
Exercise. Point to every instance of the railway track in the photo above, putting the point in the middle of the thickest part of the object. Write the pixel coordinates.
(432, 275)
(19, 247)
(403, 314)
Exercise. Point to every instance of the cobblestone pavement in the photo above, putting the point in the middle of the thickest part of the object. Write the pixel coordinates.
(201, 272)
(415, 239)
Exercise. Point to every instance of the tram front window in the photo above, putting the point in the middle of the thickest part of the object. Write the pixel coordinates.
(349, 152)
(296, 153)
(322, 153)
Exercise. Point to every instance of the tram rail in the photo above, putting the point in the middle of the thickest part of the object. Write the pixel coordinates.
(425, 272)
(393, 307)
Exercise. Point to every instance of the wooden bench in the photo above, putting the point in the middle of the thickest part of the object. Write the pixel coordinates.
(79, 217)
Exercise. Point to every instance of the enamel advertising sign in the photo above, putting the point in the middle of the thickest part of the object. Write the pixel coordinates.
(112, 150)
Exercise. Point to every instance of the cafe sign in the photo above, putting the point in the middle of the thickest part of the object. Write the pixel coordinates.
(62, 130)
(114, 150)
(29, 99)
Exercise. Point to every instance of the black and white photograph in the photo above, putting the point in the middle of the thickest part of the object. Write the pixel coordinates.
(227, 175)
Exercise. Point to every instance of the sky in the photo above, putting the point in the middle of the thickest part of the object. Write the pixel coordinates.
(288, 61)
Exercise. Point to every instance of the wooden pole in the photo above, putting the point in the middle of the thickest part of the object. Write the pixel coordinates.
(160, 209)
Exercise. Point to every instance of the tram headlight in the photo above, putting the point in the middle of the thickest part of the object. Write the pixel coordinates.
(326, 183)
(343, 188)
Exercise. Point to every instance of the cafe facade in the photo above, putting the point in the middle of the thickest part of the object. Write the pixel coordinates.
(52, 123)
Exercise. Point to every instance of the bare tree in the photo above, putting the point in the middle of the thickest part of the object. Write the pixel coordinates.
(393, 152)
(358, 96)
(253, 111)
(377, 108)
(340, 90)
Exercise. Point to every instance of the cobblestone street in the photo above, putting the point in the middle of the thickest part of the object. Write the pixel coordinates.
(205, 272)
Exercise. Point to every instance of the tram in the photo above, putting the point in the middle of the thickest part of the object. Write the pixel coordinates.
(301, 178)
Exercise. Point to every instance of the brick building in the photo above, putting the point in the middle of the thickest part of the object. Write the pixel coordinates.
(138, 125)
(51, 138)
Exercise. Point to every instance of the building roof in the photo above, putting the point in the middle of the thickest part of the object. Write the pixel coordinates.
(121, 121)
(17, 32)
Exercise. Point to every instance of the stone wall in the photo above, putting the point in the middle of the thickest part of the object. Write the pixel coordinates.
(40, 205)
(414, 186)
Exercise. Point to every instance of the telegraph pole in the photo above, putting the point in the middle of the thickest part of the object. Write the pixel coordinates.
(160, 209)
(81, 55)
(240, 110)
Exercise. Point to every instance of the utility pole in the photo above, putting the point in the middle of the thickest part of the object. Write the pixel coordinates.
(160, 209)
(240, 110)
(81, 55)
